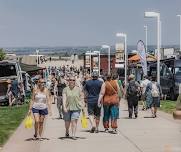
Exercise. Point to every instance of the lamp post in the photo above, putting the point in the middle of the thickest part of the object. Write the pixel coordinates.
(109, 50)
(146, 36)
(98, 52)
(180, 30)
(37, 57)
(156, 15)
(125, 56)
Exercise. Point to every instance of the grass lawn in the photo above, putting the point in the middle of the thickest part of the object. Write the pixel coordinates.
(168, 106)
(10, 119)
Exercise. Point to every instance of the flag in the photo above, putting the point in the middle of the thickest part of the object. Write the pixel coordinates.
(142, 53)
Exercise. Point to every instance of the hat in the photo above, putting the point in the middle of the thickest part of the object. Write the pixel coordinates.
(131, 76)
(95, 74)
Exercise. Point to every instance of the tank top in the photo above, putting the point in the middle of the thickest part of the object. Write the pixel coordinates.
(40, 101)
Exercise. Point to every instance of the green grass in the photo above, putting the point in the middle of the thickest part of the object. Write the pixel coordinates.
(10, 119)
(168, 106)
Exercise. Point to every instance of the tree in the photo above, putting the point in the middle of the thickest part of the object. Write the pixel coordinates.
(2, 54)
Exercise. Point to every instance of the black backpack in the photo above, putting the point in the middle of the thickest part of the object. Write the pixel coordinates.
(132, 89)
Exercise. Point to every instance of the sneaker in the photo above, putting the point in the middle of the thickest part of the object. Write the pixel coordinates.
(92, 130)
(67, 134)
(106, 130)
(96, 131)
(114, 131)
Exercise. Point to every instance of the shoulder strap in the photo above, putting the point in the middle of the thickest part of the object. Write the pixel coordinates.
(112, 87)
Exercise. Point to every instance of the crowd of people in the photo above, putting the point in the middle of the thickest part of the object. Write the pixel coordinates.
(74, 94)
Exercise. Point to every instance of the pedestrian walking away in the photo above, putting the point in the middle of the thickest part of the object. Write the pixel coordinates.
(109, 94)
(72, 106)
(40, 106)
(92, 91)
(60, 86)
(144, 96)
(133, 96)
(154, 89)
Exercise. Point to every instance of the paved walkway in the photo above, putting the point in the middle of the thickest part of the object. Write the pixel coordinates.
(143, 134)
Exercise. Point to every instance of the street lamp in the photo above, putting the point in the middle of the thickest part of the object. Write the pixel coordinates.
(37, 57)
(98, 52)
(180, 30)
(109, 49)
(146, 36)
(156, 15)
(126, 56)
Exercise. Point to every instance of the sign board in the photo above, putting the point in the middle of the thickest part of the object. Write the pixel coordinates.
(95, 62)
(168, 51)
(87, 61)
(119, 52)
(121, 65)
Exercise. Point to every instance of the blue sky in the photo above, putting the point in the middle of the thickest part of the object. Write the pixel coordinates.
(85, 22)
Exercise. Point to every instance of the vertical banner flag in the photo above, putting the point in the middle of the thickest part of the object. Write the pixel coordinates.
(142, 53)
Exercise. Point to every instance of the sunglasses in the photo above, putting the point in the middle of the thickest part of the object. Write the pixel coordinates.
(71, 80)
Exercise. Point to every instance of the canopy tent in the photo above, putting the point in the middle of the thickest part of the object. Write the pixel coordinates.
(136, 58)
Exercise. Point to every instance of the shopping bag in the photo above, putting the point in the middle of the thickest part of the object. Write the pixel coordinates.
(84, 121)
(28, 123)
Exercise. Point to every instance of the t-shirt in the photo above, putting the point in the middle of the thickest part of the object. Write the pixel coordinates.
(144, 83)
(60, 87)
(73, 100)
(93, 87)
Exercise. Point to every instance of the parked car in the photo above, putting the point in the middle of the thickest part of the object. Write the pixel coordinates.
(9, 70)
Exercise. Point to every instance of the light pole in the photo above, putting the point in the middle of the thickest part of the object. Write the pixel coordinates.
(98, 52)
(37, 57)
(125, 54)
(156, 15)
(146, 36)
(109, 50)
(180, 30)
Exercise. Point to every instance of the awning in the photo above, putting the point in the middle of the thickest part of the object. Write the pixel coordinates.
(30, 68)
(136, 58)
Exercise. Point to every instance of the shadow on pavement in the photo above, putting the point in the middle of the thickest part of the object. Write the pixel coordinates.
(148, 117)
(63, 138)
(37, 139)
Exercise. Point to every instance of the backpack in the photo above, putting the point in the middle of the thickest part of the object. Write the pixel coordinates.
(132, 89)
(154, 90)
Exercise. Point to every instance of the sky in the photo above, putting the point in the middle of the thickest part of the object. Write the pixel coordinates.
(85, 22)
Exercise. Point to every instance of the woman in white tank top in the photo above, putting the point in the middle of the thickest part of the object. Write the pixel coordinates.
(40, 106)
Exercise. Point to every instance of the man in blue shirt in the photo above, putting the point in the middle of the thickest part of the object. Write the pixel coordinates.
(92, 89)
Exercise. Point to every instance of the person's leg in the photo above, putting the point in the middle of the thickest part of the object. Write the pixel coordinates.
(59, 106)
(91, 116)
(97, 117)
(41, 121)
(113, 115)
(67, 119)
(36, 125)
(130, 108)
(106, 117)
(74, 119)
(135, 105)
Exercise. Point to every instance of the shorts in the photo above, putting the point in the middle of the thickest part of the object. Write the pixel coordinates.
(155, 102)
(40, 111)
(93, 109)
(71, 115)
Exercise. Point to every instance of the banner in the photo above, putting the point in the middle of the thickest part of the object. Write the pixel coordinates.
(142, 53)
(119, 52)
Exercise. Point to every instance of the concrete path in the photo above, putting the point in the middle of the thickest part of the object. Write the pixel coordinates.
(143, 134)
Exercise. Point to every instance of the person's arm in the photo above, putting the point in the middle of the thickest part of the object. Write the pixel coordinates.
(32, 101)
(48, 102)
(64, 100)
(102, 92)
(178, 103)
